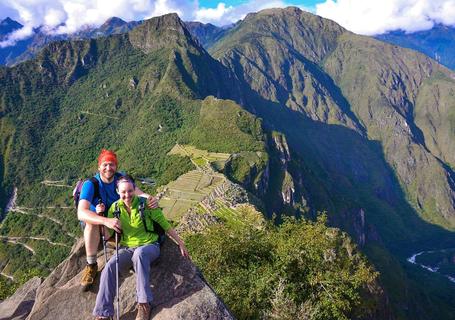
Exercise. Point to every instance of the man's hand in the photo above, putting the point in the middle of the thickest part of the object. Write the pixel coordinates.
(100, 208)
(152, 202)
(114, 223)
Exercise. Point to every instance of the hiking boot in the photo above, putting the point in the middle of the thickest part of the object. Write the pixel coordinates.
(143, 311)
(88, 276)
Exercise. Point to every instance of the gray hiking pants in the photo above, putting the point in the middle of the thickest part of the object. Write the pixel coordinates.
(140, 258)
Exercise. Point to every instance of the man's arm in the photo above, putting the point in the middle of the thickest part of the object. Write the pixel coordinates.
(88, 216)
(152, 202)
(85, 214)
(138, 192)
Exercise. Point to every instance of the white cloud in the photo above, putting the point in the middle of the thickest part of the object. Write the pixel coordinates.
(371, 17)
(213, 14)
(361, 16)
(68, 16)
(17, 35)
(223, 15)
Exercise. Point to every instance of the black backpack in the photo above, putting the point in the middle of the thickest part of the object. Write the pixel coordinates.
(157, 228)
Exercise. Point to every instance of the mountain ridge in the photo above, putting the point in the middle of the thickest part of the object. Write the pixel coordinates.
(29, 47)
(258, 50)
(304, 142)
(437, 42)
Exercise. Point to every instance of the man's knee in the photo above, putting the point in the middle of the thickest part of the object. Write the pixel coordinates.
(91, 228)
(91, 235)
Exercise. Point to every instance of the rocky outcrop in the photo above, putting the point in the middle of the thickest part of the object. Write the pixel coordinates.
(179, 290)
(288, 189)
(355, 220)
(281, 148)
(160, 32)
(19, 305)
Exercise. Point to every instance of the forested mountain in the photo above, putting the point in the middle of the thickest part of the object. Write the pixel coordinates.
(207, 35)
(29, 47)
(372, 123)
(316, 119)
(437, 42)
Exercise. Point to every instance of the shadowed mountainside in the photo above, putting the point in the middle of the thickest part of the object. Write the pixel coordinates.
(358, 113)
(348, 124)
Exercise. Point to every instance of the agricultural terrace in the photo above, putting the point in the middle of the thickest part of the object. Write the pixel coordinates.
(201, 158)
(187, 191)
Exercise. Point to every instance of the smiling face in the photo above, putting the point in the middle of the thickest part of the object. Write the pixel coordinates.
(107, 171)
(125, 190)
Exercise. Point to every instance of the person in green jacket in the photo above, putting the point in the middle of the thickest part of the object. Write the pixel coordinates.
(139, 247)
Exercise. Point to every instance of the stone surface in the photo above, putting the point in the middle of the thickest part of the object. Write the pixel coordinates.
(18, 306)
(178, 288)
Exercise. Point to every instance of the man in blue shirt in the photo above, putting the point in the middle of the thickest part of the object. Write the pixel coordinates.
(86, 210)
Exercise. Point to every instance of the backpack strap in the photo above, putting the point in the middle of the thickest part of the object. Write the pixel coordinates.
(156, 226)
(142, 214)
(96, 186)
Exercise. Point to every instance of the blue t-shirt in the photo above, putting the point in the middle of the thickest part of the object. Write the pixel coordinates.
(106, 192)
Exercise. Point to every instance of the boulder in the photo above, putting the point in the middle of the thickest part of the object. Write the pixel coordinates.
(179, 290)
(18, 306)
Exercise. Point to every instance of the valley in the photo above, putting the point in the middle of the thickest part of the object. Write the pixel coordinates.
(287, 114)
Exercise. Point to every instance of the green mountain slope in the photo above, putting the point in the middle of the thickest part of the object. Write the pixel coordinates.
(389, 103)
(28, 48)
(355, 113)
(77, 97)
(316, 119)
(356, 82)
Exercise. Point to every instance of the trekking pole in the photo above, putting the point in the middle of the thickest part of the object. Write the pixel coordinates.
(117, 215)
(102, 237)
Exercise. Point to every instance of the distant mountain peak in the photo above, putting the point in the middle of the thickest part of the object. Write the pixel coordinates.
(274, 11)
(437, 42)
(9, 25)
(9, 21)
(114, 22)
(206, 33)
(310, 35)
(167, 21)
(158, 32)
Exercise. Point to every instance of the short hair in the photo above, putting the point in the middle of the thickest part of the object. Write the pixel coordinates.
(125, 178)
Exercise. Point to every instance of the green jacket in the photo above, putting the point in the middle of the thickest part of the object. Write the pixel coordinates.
(133, 230)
